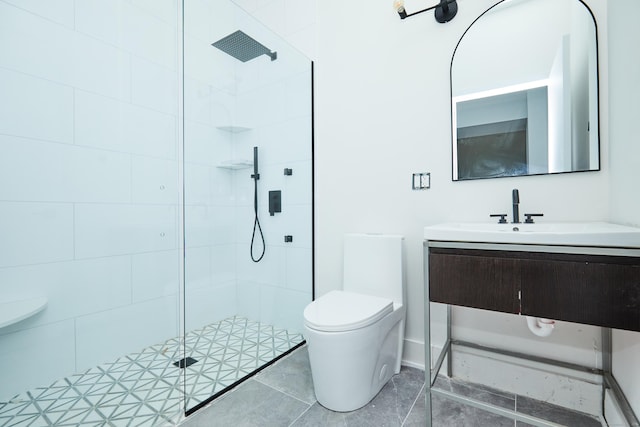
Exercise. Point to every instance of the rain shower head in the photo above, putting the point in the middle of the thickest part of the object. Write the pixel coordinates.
(242, 47)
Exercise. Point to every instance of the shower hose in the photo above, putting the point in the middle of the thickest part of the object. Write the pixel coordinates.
(256, 222)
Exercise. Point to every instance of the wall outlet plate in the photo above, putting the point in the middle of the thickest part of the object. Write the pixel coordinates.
(421, 181)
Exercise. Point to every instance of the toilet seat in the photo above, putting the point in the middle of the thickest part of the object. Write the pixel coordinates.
(339, 311)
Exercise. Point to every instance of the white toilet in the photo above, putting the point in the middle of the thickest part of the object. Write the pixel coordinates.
(355, 336)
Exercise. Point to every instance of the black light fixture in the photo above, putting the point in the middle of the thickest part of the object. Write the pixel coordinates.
(445, 11)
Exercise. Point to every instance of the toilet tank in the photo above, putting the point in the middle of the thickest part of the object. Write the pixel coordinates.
(373, 265)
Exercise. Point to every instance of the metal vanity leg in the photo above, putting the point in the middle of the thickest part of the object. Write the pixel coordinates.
(606, 350)
(607, 365)
(609, 381)
(448, 344)
(427, 362)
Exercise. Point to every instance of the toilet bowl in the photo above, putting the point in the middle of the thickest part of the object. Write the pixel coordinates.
(355, 335)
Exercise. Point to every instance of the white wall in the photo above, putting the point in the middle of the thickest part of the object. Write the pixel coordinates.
(293, 19)
(382, 112)
(624, 36)
(88, 173)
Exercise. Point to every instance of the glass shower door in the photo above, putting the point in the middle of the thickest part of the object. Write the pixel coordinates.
(247, 196)
(89, 247)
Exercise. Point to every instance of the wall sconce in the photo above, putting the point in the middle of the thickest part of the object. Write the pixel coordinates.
(445, 11)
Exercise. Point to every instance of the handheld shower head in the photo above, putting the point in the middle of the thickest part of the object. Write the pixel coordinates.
(255, 175)
(256, 221)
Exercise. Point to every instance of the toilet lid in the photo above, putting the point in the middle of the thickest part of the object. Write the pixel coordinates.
(345, 311)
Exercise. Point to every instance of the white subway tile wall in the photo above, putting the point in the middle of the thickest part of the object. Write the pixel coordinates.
(89, 182)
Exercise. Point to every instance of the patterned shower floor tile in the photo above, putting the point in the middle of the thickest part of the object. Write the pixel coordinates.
(146, 388)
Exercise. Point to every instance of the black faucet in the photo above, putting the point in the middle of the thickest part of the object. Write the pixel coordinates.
(515, 203)
(515, 198)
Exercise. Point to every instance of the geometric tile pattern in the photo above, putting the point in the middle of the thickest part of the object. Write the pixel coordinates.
(229, 350)
(146, 389)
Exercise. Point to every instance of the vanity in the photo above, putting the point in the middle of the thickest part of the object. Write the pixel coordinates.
(525, 101)
(587, 273)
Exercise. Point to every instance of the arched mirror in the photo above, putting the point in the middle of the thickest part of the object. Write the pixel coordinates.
(524, 91)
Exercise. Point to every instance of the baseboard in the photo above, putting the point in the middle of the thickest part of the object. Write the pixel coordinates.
(413, 353)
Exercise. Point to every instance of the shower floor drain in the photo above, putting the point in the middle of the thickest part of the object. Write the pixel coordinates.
(183, 363)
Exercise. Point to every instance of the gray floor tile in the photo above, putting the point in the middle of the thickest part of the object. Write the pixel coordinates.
(392, 405)
(291, 375)
(447, 413)
(389, 408)
(478, 392)
(417, 415)
(250, 404)
(319, 416)
(554, 413)
(271, 400)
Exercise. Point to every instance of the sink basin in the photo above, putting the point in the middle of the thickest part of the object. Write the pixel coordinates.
(560, 233)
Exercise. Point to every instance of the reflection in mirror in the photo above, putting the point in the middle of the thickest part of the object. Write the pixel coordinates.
(525, 91)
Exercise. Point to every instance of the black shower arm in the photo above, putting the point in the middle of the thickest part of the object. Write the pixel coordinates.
(443, 3)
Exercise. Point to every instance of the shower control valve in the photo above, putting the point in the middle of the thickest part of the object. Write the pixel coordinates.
(275, 202)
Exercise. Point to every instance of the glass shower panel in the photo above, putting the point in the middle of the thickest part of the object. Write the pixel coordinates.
(247, 97)
(89, 203)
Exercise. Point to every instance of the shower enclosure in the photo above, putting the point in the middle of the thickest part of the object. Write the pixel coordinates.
(128, 293)
(247, 109)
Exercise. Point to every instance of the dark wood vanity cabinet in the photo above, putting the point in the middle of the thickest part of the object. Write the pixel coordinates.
(596, 290)
(469, 279)
(599, 290)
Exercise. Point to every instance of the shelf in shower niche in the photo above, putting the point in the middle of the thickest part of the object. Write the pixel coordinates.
(235, 164)
(233, 129)
(14, 311)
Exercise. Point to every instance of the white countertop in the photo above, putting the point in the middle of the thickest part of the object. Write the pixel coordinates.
(600, 234)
